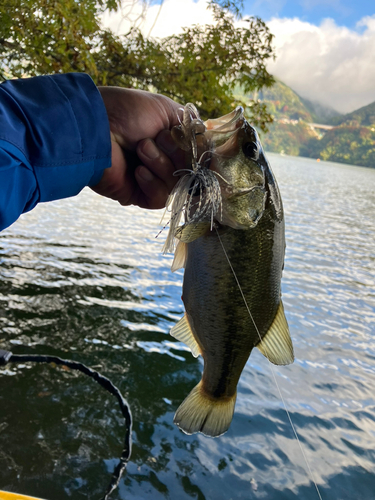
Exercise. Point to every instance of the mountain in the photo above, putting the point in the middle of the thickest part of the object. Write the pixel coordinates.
(351, 139)
(296, 130)
(344, 144)
(284, 103)
(320, 113)
(290, 129)
(364, 116)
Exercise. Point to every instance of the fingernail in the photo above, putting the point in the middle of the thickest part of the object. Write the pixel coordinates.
(145, 174)
(150, 150)
(165, 142)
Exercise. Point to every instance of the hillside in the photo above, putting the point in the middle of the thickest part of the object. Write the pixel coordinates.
(284, 103)
(319, 112)
(350, 140)
(290, 129)
(287, 138)
(344, 144)
(364, 117)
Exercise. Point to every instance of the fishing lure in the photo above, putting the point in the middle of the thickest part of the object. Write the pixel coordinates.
(197, 194)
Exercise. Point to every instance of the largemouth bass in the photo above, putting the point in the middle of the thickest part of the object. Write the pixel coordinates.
(232, 245)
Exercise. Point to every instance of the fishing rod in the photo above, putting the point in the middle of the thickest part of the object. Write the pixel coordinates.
(7, 357)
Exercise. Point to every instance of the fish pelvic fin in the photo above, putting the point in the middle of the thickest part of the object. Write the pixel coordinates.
(277, 345)
(183, 332)
(192, 231)
(202, 413)
(180, 256)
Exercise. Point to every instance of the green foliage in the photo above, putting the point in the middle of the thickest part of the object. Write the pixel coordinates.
(202, 65)
(284, 103)
(49, 36)
(364, 116)
(216, 57)
(353, 145)
(287, 138)
(233, 6)
(289, 130)
(291, 133)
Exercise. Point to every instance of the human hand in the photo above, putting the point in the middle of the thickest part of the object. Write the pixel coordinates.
(144, 154)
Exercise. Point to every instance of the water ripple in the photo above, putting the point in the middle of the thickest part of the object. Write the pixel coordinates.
(85, 278)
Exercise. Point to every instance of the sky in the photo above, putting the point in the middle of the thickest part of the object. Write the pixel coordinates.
(325, 49)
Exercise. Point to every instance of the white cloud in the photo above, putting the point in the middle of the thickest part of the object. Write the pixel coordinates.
(328, 63)
(170, 18)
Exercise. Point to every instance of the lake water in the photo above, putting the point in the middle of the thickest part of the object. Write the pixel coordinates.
(84, 279)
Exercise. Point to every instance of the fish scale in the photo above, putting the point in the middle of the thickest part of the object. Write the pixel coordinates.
(212, 299)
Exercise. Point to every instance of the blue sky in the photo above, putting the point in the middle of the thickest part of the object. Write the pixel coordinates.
(344, 12)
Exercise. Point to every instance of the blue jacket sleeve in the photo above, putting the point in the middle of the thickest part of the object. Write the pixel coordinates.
(54, 140)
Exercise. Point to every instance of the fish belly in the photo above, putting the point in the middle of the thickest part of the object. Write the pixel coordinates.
(224, 329)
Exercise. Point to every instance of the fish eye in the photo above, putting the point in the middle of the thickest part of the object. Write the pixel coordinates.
(250, 150)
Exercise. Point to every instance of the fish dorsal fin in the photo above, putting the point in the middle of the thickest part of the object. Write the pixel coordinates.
(182, 331)
(277, 345)
(192, 231)
(180, 256)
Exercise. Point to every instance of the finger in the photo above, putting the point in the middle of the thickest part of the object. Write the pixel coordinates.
(116, 182)
(165, 142)
(173, 110)
(153, 192)
(157, 162)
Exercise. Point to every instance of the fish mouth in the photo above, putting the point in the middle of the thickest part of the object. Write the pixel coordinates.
(226, 123)
(241, 142)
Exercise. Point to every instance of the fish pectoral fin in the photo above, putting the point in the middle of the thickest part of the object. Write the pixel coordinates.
(192, 231)
(180, 256)
(277, 345)
(183, 332)
(201, 413)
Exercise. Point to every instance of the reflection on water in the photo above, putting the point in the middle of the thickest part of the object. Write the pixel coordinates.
(85, 279)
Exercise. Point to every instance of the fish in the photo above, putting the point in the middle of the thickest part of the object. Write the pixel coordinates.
(228, 221)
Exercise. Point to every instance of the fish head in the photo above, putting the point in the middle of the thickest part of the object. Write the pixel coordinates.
(227, 179)
(238, 160)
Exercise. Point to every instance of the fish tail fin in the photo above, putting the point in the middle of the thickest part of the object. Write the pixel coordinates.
(202, 413)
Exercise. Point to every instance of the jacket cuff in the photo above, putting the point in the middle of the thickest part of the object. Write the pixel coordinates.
(90, 150)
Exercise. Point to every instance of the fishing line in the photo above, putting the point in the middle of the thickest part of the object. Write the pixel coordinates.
(156, 18)
(272, 370)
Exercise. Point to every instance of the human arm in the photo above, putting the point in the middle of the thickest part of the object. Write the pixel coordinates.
(55, 140)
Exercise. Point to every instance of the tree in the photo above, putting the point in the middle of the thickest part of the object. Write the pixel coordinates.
(345, 144)
(202, 65)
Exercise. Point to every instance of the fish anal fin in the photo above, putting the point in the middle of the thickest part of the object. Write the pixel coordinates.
(190, 232)
(201, 413)
(183, 332)
(180, 256)
(277, 345)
